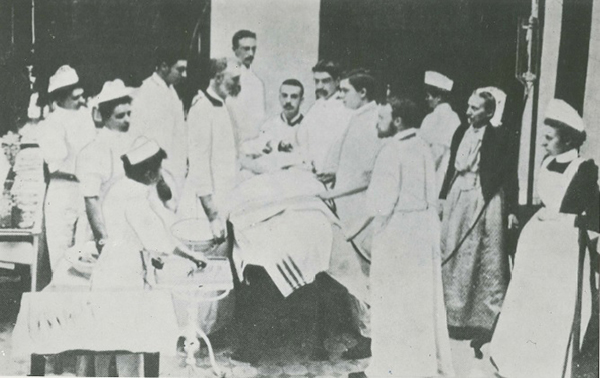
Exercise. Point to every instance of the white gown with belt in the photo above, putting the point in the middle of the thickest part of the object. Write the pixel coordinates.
(408, 317)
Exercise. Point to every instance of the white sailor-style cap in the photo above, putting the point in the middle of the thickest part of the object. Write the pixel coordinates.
(436, 79)
(65, 76)
(142, 149)
(112, 90)
(500, 98)
(559, 110)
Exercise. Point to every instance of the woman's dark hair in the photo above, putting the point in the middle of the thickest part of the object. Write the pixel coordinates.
(138, 171)
(489, 101)
(62, 94)
(107, 108)
(437, 92)
(168, 55)
(567, 135)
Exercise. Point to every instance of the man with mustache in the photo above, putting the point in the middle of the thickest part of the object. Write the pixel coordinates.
(276, 145)
(62, 136)
(326, 121)
(248, 109)
(213, 154)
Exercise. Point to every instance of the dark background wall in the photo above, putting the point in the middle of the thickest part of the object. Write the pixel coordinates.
(471, 41)
(574, 51)
(112, 38)
(103, 40)
(15, 43)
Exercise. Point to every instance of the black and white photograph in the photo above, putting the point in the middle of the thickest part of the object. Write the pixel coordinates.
(300, 188)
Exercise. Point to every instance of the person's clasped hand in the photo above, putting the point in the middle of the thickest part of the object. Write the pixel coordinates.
(326, 178)
(217, 228)
(285, 147)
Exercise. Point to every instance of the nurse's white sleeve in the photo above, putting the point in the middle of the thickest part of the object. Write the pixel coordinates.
(54, 146)
(152, 232)
(386, 182)
(200, 150)
(92, 169)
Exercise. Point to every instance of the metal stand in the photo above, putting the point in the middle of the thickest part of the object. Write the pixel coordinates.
(192, 332)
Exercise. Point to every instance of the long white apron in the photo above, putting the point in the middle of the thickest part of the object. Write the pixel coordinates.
(408, 317)
(532, 335)
(63, 207)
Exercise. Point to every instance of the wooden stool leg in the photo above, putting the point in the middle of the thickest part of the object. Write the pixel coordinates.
(38, 365)
(151, 364)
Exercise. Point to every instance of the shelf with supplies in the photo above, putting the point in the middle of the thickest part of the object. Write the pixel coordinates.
(21, 205)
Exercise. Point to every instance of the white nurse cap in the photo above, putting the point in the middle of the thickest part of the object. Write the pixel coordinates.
(436, 79)
(500, 98)
(112, 90)
(559, 110)
(64, 77)
(143, 149)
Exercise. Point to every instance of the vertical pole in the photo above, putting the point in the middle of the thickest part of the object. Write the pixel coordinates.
(532, 91)
(32, 24)
(12, 25)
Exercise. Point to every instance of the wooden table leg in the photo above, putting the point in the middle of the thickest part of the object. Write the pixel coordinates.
(34, 264)
(151, 364)
(38, 365)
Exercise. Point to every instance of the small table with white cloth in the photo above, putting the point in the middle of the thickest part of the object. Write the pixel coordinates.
(67, 316)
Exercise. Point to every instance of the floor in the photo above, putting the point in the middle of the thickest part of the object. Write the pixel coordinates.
(289, 360)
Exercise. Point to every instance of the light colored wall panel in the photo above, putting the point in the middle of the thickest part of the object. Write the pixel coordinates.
(548, 69)
(288, 40)
(591, 107)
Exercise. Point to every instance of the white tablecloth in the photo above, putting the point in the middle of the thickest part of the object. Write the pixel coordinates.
(135, 321)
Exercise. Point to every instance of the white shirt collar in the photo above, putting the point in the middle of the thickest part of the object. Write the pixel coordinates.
(291, 122)
(111, 133)
(159, 80)
(365, 108)
(246, 70)
(332, 98)
(60, 111)
(442, 106)
(211, 92)
(566, 157)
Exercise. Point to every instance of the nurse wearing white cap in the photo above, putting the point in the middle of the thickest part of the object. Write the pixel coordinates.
(533, 335)
(439, 126)
(62, 136)
(136, 219)
(99, 163)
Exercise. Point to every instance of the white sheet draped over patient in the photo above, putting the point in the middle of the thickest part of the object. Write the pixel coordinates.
(280, 224)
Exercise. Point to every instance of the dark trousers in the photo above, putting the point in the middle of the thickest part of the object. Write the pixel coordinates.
(334, 309)
(266, 319)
